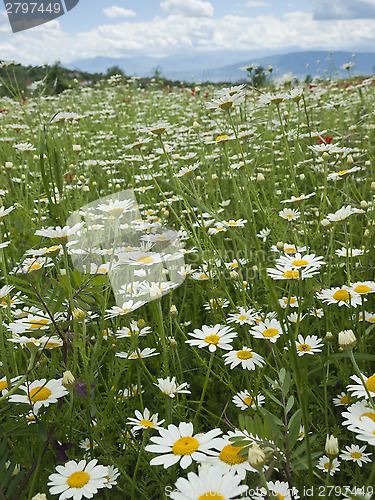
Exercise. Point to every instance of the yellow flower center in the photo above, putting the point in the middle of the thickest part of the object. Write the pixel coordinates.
(372, 319)
(78, 479)
(341, 295)
(290, 250)
(185, 446)
(3, 385)
(212, 339)
(244, 354)
(145, 260)
(226, 105)
(38, 323)
(289, 216)
(229, 455)
(290, 301)
(147, 423)
(342, 172)
(304, 347)
(270, 332)
(221, 138)
(210, 495)
(326, 466)
(370, 383)
(278, 495)
(291, 274)
(39, 394)
(344, 400)
(368, 414)
(356, 454)
(248, 401)
(51, 345)
(362, 289)
(242, 317)
(34, 267)
(300, 262)
(115, 210)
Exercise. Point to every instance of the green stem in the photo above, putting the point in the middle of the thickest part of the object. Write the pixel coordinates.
(204, 386)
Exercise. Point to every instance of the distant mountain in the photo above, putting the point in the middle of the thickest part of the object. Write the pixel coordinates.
(218, 67)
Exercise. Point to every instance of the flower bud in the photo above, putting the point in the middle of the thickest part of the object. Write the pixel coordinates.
(325, 223)
(141, 323)
(350, 160)
(173, 310)
(260, 177)
(78, 314)
(364, 204)
(234, 274)
(280, 245)
(332, 446)
(256, 457)
(347, 339)
(68, 379)
(155, 292)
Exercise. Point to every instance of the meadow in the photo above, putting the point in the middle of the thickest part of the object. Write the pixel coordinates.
(187, 291)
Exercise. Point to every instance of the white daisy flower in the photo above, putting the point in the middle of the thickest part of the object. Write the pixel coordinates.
(127, 307)
(289, 213)
(179, 444)
(210, 482)
(228, 457)
(278, 489)
(145, 421)
(358, 390)
(145, 353)
(308, 345)
(169, 387)
(77, 480)
(355, 414)
(343, 296)
(244, 400)
(343, 213)
(40, 393)
(242, 317)
(363, 287)
(342, 399)
(323, 465)
(301, 262)
(356, 454)
(298, 199)
(267, 330)
(59, 233)
(213, 337)
(289, 273)
(353, 252)
(111, 477)
(246, 357)
(288, 301)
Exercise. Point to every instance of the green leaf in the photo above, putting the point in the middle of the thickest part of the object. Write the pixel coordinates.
(290, 404)
(274, 398)
(42, 431)
(294, 426)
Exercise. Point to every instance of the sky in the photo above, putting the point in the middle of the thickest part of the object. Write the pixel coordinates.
(160, 28)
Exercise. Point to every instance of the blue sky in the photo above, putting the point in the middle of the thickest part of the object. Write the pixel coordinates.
(159, 28)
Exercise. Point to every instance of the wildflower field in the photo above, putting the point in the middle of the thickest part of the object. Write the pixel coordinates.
(187, 292)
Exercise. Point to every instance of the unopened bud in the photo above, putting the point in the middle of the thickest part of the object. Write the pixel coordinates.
(350, 160)
(68, 379)
(260, 177)
(325, 223)
(364, 204)
(329, 335)
(141, 323)
(256, 457)
(196, 126)
(234, 274)
(173, 310)
(280, 245)
(347, 339)
(78, 314)
(372, 186)
(332, 446)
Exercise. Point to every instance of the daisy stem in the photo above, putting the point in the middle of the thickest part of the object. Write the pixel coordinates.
(156, 305)
(326, 483)
(287, 149)
(204, 386)
(144, 440)
(356, 367)
(370, 480)
(4, 356)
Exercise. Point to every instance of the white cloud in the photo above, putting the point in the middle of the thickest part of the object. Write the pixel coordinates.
(115, 11)
(174, 34)
(190, 8)
(343, 9)
(256, 3)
